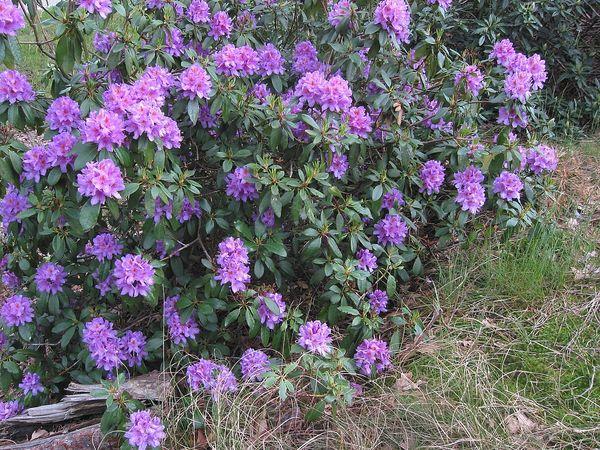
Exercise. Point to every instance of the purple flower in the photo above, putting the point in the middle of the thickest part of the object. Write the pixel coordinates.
(100, 180)
(270, 61)
(261, 91)
(195, 82)
(315, 337)
(240, 185)
(36, 162)
(394, 17)
(340, 11)
(50, 278)
(17, 311)
(391, 230)
(9, 409)
(232, 260)
(372, 355)
(198, 11)
(14, 87)
(471, 197)
(537, 69)
(60, 148)
(220, 25)
(102, 7)
(174, 42)
(504, 52)
(271, 309)
(309, 87)
(145, 430)
(179, 331)
(473, 77)
(104, 286)
(432, 176)
(392, 199)
(268, 218)
(104, 128)
(378, 300)
(134, 276)
(133, 348)
(335, 94)
(542, 158)
(104, 246)
(214, 378)
(11, 205)
(103, 42)
(339, 165)
(254, 365)
(513, 116)
(468, 176)
(10, 280)
(103, 344)
(11, 18)
(31, 384)
(305, 58)
(367, 261)
(189, 210)
(63, 114)
(149, 119)
(359, 121)
(444, 4)
(518, 85)
(508, 185)
(237, 61)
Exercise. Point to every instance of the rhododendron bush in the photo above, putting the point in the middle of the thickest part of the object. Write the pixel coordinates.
(236, 181)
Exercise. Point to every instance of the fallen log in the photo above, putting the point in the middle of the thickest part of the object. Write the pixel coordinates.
(87, 437)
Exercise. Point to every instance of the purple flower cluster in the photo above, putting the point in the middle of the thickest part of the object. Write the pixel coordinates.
(10, 279)
(9, 409)
(134, 276)
(367, 261)
(394, 17)
(508, 186)
(147, 118)
(513, 116)
(372, 355)
(392, 199)
(471, 194)
(315, 336)
(61, 150)
(432, 176)
(220, 25)
(254, 364)
(63, 114)
(104, 128)
(179, 331)
(36, 162)
(11, 205)
(198, 11)
(103, 42)
(270, 61)
(359, 121)
(391, 230)
(237, 61)
(240, 185)
(473, 78)
(133, 348)
(215, 378)
(104, 246)
(31, 384)
(542, 158)
(195, 82)
(333, 94)
(100, 180)
(340, 11)
(102, 7)
(11, 18)
(273, 314)
(188, 210)
(444, 4)
(50, 278)
(378, 300)
(16, 311)
(305, 58)
(524, 74)
(14, 87)
(232, 260)
(145, 430)
(339, 165)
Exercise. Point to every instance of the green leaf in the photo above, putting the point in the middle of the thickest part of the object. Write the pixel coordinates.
(391, 286)
(193, 108)
(88, 217)
(85, 154)
(66, 338)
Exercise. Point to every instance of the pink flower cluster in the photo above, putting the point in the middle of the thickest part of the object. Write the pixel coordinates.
(195, 82)
(11, 18)
(332, 94)
(305, 58)
(471, 194)
(133, 275)
(100, 180)
(232, 261)
(237, 61)
(394, 17)
(14, 87)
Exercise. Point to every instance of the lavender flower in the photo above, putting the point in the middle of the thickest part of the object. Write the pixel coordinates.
(432, 176)
(11, 205)
(542, 158)
(16, 311)
(394, 17)
(14, 87)
(232, 260)
(340, 11)
(305, 58)
(174, 42)
(378, 300)
(133, 348)
(518, 85)
(145, 430)
(315, 337)
(508, 186)
(392, 199)
(103, 344)
(473, 77)
(11, 18)
(179, 331)
(195, 82)
(214, 378)
(273, 314)
(503, 51)
(134, 276)
(372, 355)
(9, 409)
(359, 121)
(220, 25)
(61, 149)
(36, 162)
(236, 61)
(31, 384)
(104, 246)
(100, 180)
(199, 11)
(103, 42)
(10, 280)
(189, 210)
(254, 365)
(471, 197)
(339, 165)
(367, 261)
(391, 230)
(270, 61)
(50, 278)
(468, 176)
(102, 7)
(104, 128)
(513, 116)
(63, 114)
(240, 185)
